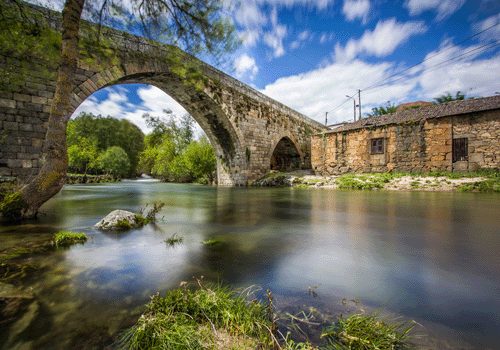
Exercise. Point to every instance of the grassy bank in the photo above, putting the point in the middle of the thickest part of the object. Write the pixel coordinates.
(483, 180)
(214, 317)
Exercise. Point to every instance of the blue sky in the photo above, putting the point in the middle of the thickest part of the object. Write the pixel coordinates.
(310, 54)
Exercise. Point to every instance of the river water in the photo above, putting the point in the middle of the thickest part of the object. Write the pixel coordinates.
(427, 256)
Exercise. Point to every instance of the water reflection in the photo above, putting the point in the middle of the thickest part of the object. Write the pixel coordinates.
(432, 256)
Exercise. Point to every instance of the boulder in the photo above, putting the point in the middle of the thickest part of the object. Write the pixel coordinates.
(117, 220)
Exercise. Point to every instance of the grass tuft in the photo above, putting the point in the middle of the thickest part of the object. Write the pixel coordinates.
(175, 238)
(368, 332)
(63, 238)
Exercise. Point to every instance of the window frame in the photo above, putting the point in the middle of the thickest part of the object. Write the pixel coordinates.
(377, 145)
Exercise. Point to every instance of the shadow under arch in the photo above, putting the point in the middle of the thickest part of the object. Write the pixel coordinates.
(224, 137)
(286, 155)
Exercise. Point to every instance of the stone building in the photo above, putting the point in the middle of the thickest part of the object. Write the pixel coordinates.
(455, 136)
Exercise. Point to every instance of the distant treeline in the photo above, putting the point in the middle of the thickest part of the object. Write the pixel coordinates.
(105, 145)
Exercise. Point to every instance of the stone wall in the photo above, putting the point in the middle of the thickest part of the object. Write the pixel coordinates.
(418, 145)
(483, 133)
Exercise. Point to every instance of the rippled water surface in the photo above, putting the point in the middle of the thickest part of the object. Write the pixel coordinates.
(431, 257)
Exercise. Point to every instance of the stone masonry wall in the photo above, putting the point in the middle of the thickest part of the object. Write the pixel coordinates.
(424, 145)
(483, 133)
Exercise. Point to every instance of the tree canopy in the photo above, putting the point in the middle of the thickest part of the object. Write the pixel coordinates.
(171, 153)
(387, 109)
(90, 136)
(448, 97)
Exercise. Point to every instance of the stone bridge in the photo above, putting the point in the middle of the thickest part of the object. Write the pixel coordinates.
(250, 132)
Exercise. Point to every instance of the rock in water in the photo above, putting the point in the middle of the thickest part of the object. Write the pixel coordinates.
(117, 219)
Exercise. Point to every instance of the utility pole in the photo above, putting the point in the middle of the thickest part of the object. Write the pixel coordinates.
(359, 103)
(326, 118)
(354, 100)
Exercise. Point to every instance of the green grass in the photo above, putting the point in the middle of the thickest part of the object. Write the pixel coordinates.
(123, 225)
(210, 317)
(212, 241)
(63, 238)
(368, 332)
(175, 238)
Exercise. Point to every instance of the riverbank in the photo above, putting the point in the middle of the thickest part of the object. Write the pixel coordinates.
(483, 181)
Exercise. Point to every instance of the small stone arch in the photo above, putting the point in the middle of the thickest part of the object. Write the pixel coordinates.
(285, 156)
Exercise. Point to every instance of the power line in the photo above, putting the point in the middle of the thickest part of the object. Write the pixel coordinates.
(441, 64)
(383, 86)
(428, 58)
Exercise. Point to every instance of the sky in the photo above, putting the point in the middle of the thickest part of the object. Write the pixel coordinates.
(313, 55)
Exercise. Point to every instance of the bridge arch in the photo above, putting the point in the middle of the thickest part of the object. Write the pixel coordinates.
(225, 139)
(285, 155)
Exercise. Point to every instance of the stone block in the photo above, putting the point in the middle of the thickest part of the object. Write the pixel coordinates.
(10, 125)
(22, 97)
(7, 103)
(476, 157)
(461, 166)
(39, 100)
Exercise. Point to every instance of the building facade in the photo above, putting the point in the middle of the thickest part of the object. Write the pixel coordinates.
(455, 136)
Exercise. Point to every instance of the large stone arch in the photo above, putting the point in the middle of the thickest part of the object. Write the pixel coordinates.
(225, 139)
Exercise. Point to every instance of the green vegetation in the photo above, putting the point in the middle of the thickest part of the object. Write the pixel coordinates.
(387, 109)
(12, 207)
(210, 317)
(175, 238)
(212, 241)
(448, 98)
(172, 154)
(104, 145)
(366, 332)
(123, 225)
(365, 181)
(63, 238)
(141, 220)
(150, 213)
(215, 317)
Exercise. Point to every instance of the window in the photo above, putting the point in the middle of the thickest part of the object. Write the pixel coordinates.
(460, 149)
(377, 146)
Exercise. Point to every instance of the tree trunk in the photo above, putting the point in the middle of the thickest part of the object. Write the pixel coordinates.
(52, 175)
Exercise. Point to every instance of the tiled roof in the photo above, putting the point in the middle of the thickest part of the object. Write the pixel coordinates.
(435, 111)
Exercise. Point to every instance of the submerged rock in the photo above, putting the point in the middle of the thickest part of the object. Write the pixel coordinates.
(118, 220)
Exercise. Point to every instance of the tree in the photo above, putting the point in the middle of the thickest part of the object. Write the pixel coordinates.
(196, 25)
(108, 132)
(448, 98)
(114, 162)
(83, 155)
(387, 109)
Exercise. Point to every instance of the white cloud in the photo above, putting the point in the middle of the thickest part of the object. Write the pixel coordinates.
(249, 15)
(384, 39)
(444, 8)
(326, 37)
(324, 89)
(491, 33)
(250, 37)
(246, 65)
(117, 105)
(274, 38)
(356, 9)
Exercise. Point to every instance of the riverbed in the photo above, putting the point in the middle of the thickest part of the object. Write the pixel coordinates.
(431, 257)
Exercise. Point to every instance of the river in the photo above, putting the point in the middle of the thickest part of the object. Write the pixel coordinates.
(427, 256)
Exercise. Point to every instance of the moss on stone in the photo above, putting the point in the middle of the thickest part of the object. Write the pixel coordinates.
(13, 207)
